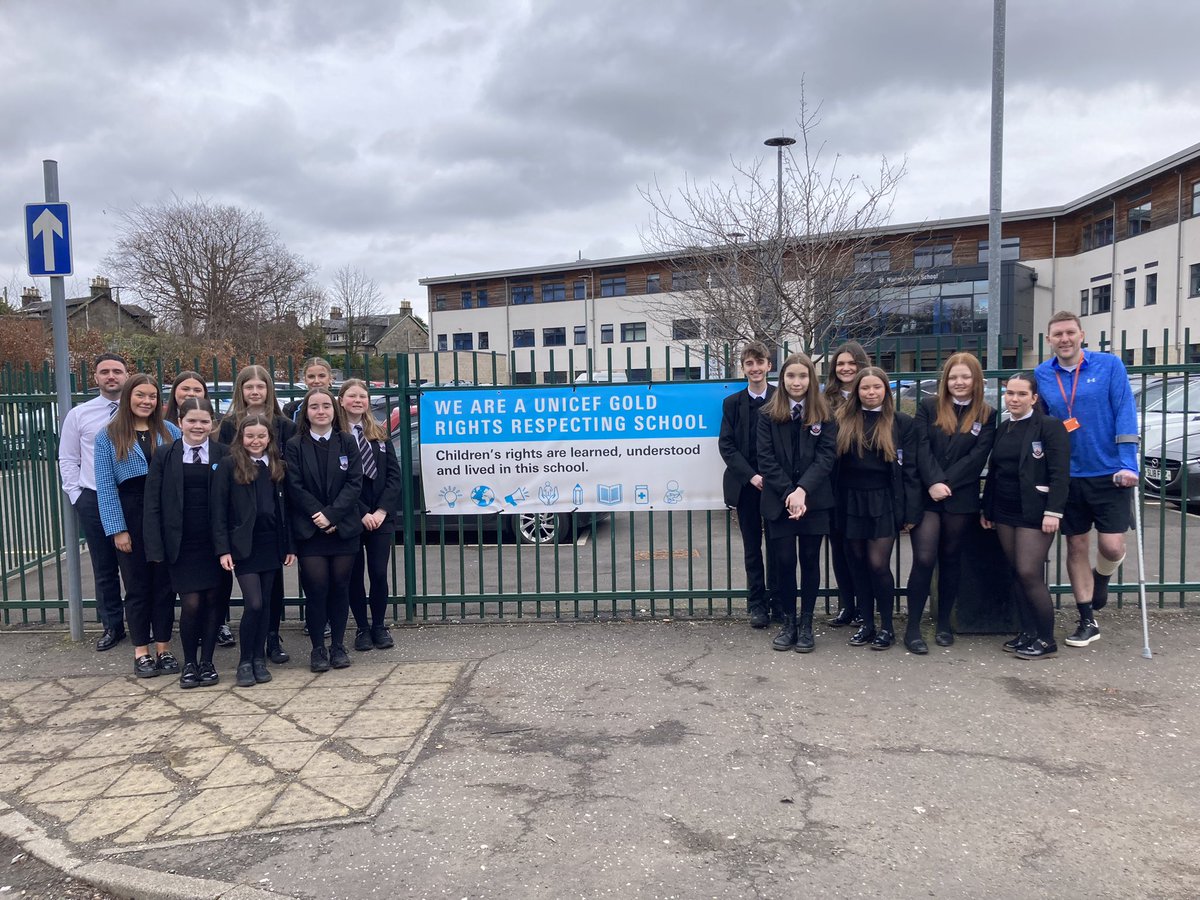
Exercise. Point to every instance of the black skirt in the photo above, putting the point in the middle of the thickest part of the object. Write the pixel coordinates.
(813, 522)
(197, 568)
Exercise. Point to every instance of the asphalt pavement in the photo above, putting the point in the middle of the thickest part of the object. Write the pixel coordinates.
(652, 759)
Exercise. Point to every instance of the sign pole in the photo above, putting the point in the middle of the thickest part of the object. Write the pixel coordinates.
(62, 380)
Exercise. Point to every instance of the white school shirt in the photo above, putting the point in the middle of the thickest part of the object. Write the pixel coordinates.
(77, 444)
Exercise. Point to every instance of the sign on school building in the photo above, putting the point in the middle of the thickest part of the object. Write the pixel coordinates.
(590, 448)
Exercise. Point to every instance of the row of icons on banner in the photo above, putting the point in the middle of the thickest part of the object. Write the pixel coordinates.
(484, 497)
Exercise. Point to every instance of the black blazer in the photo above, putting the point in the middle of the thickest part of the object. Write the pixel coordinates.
(953, 459)
(235, 510)
(1046, 478)
(387, 487)
(734, 443)
(163, 513)
(818, 455)
(907, 505)
(334, 492)
(285, 430)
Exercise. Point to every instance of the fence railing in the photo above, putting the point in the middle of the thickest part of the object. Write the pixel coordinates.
(582, 565)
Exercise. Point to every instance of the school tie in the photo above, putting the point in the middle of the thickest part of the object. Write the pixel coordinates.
(112, 408)
(797, 412)
(368, 456)
(195, 455)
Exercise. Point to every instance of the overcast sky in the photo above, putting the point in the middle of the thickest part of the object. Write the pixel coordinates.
(415, 138)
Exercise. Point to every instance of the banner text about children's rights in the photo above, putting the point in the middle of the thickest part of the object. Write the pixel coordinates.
(557, 449)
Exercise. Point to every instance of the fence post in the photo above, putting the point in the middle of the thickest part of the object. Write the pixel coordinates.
(406, 475)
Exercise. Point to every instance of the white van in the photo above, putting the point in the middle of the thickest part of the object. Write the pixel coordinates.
(604, 377)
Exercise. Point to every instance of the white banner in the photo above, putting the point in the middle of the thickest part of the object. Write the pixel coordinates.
(583, 447)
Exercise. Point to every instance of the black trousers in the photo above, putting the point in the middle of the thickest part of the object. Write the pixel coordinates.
(105, 570)
(149, 598)
(750, 523)
(373, 589)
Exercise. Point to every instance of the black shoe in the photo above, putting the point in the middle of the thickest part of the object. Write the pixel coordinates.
(845, 616)
(862, 637)
(916, 645)
(1085, 632)
(1099, 590)
(362, 639)
(944, 638)
(190, 677)
(786, 639)
(778, 617)
(225, 637)
(110, 639)
(883, 640)
(261, 675)
(318, 660)
(338, 657)
(144, 666)
(208, 674)
(245, 675)
(1021, 640)
(759, 617)
(1038, 649)
(804, 636)
(275, 651)
(381, 637)
(167, 662)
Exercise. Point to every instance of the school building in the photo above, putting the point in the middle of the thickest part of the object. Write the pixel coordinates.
(1125, 257)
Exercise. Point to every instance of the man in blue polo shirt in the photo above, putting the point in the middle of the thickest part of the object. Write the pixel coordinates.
(1090, 392)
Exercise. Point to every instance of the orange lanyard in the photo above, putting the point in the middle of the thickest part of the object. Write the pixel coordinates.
(1074, 384)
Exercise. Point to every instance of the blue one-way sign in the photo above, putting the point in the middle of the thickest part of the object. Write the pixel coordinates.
(48, 238)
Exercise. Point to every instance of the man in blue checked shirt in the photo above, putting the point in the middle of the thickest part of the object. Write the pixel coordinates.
(76, 453)
(1090, 392)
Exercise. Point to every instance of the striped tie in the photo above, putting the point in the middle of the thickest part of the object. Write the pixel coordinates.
(368, 455)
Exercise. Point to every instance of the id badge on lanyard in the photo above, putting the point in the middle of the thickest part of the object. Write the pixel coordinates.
(1070, 423)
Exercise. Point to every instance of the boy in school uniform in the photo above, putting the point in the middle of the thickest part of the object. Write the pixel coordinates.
(742, 483)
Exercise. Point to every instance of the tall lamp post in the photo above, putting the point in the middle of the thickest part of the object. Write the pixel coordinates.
(778, 143)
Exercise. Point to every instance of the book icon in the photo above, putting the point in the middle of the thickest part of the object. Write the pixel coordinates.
(609, 494)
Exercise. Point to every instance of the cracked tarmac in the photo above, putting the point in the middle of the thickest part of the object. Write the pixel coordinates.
(631, 760)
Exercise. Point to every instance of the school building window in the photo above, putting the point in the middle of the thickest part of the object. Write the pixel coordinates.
(481, 297)
(554, 291)
(554, 337)
(685, 329)
(522, 378)
(1130, 293)
(1139, 219)
(468, 301)
(1102, 298)
(439, 302)
(1196, 198)
(442, 345)
(873, 261)
(580, 335)
(464, 341)
(933, 255)
(580, 289)
(613, 286)
(1149, 356)
(483, 341)
(653, 284)
(1194, 280)
(688, 280)
(522, 337)
(1083, 302)
(522, 294)
(1098, 234)
(554, 378)
(1151, 290)
(633, 331)
(606, 334)
(1010, 248)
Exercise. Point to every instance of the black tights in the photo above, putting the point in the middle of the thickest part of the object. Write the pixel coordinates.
(326, 581)
(200, 615)
(841, 571)
(871, 562)
(372, 560)
(785, 552)
(256, 614)
(1026, 549)
(938, 538)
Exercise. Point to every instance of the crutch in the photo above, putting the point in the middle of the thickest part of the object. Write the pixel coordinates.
(1141, 556)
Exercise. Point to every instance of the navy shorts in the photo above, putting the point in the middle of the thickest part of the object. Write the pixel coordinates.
(1097, 503)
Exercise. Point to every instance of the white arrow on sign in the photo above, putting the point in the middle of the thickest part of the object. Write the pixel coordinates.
(46, 226)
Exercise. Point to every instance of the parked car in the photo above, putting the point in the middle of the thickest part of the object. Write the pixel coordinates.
(526, 527)
(1170, 411)
(1166, 470)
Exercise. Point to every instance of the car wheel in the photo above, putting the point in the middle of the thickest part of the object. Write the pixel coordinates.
(538, 528)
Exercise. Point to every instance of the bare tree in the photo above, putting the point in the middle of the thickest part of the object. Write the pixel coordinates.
(357, 296)
(754, 267)
(208, 269)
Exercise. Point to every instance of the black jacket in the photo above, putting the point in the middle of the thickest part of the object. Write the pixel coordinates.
(163, 513)
(334, 492)
(387, 487)
(907, 505)
(817, 456)
(1044, 473)
(235, 510)
(734, 442)
(954, 459)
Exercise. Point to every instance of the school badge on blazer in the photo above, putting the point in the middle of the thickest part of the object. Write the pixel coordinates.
(976, 428)
(815, 429)
(1038, 452)
(343, 463)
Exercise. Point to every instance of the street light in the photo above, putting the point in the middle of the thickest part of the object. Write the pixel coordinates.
(779, 143)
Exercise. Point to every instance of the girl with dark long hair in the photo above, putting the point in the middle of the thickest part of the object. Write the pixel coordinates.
(187, 384)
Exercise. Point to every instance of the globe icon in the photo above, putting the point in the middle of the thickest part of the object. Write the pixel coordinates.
(483, 495)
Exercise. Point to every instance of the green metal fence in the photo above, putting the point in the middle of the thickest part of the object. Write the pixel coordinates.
(474, 567)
